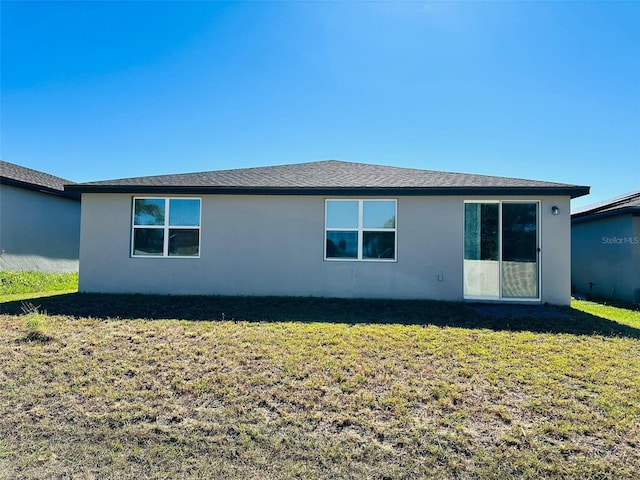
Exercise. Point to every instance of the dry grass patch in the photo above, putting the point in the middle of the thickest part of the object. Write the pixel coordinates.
(237, 399)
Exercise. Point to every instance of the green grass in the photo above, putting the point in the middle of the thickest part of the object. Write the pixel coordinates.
(270, 388)
(627, 314)
(26, 283)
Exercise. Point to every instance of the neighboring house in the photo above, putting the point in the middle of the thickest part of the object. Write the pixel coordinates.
(605, 249)
(39, 221)
(331, 229)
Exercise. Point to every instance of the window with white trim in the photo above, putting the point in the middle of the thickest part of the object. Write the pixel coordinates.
(360, 230)
(165, 227)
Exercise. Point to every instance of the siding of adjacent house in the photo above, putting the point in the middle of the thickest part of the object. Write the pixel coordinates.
(38, 231)
(606, 257)
(273, 245)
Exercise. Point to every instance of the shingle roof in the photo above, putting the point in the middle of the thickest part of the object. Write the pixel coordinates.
(326, 177)
(628, 203)
(18, 176)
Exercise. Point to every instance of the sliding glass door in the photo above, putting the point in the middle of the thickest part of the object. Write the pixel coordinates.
(482, 250)
(501, 250)
(519, 250)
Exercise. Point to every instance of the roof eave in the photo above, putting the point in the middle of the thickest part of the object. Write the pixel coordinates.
(569, 190)
(588, 216)
(72, 195)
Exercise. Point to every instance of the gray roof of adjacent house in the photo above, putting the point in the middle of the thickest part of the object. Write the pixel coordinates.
(27, 178)
(330, 177)
(622, 205)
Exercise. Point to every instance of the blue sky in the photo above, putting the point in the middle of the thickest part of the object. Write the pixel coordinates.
(540, 90)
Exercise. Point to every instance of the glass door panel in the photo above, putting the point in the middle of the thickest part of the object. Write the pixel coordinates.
(501, 250)
(481, 250)
(519, 250)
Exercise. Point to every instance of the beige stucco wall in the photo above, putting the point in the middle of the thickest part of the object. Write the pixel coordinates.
(273, 245)
(606, 254)
(38, 231)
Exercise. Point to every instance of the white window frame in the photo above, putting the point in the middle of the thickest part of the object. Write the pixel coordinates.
(361, 229)
(166, 227)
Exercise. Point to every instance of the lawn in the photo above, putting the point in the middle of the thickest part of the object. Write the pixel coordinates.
(106, 386)
(22, 285)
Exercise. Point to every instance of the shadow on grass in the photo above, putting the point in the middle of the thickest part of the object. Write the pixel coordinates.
(541, 319)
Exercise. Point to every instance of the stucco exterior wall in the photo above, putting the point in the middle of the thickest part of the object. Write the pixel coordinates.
(636, 258)
(606, 257)
(38, 231)
(274, 245)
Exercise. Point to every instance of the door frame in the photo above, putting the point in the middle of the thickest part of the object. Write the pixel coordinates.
(500, 298)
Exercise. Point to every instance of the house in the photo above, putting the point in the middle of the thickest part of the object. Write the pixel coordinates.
(605, 249)
(331, 229)
(39, 221)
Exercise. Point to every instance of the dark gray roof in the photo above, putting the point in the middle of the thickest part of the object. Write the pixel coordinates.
(328, 177)
(622, 205)
(18, 176)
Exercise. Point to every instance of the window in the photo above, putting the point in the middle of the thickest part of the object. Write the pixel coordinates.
(166, 227)
(360, 230)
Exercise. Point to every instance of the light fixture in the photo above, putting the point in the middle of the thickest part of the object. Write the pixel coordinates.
(555, 210)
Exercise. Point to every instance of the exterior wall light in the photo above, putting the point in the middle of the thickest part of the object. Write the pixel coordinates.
(555, 210)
